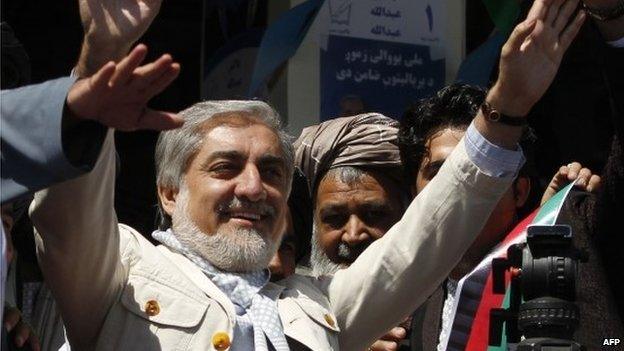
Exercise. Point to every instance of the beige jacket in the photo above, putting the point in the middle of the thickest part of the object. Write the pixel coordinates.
(117, 291)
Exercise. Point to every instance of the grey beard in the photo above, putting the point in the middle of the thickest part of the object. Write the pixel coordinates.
(243, 250)
(319, 261)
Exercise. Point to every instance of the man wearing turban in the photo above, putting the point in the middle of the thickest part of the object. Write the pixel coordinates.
(354, 171)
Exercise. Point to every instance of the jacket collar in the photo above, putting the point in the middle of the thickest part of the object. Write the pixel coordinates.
(200, 279)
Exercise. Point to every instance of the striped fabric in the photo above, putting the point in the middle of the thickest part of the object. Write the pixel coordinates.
(475, 298)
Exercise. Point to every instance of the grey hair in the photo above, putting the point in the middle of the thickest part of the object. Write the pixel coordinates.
(345, 174)
(351, 175)
(175, 148)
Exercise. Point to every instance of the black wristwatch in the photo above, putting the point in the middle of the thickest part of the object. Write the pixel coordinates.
(604, 14)
(493, 115)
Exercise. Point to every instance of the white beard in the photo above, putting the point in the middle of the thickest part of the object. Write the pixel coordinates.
(243, 250)
(319, 262)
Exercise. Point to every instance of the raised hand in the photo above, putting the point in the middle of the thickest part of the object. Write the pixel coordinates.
(574, 171)
(111, 27)
(117, 95)
(532, 55)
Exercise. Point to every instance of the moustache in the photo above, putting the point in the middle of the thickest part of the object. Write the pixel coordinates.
(242, 205)
(351, 253)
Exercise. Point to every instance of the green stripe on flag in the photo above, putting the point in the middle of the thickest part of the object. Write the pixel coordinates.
(549, 211)
(547, 215)
(504, 13)
(503, 345)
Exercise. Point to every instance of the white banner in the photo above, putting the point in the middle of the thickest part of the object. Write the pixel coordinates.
(405, 21)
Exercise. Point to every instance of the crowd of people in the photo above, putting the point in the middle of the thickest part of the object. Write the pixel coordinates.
(353, 236)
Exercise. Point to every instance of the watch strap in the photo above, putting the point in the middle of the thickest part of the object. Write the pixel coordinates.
(493, 115)
(605, 14)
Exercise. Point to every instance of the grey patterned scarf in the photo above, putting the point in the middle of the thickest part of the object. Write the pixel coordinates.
(246, 290)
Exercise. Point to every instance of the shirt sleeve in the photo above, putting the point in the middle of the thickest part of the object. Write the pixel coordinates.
(491, 159)
(619, 43)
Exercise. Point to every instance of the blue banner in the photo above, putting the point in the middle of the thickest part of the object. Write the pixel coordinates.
(281, 40)
(477, 68)
(385, 76)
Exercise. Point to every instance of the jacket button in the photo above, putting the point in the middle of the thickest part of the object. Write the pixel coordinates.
(330, 320)
(152, 308)
(220, 341)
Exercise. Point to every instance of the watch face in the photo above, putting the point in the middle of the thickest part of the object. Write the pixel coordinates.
(494, 116)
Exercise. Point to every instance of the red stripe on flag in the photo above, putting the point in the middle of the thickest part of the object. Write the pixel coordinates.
(479, 332)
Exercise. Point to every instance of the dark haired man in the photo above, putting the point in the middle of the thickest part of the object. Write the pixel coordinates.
(428, 134)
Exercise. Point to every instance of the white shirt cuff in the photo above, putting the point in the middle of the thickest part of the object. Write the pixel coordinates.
(491, 159)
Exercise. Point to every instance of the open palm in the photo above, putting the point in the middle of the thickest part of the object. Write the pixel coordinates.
(118, 21)
(532, 55)
(117, 95)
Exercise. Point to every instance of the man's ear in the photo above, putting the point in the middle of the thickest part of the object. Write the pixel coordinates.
(522, 188)
(167, 197)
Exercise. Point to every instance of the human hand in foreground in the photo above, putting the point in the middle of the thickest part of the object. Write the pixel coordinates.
(391, 340)
(117, 95)
(111, 27)
(531, 56)
(21, 333)
(584, 178)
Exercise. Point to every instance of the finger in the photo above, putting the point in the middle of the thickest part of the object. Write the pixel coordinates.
(99, 81)
(565, 14)
(553, 11)
(594, 183)
(563, 172)
(22, 332)
(395, 334)
(159, 120)
(570, 32)
(538, 10)
(162, 82)
(145, 75)
(549, 193)
(583, 178)
(128, 65)
(12, 316)
(573, 170)
(519, 34)
(383, 345)
(406, 323)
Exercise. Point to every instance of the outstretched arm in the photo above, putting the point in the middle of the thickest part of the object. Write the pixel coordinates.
(397, 272)
(53, 131)
(78, 239)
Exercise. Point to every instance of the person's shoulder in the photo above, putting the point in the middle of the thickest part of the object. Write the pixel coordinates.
(134, 247)
(306, 287)
(310, 295)
(130, 237)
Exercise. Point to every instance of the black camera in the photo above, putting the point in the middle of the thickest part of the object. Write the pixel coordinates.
(542, 313)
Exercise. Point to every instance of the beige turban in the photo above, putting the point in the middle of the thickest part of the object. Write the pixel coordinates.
(367, 140)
